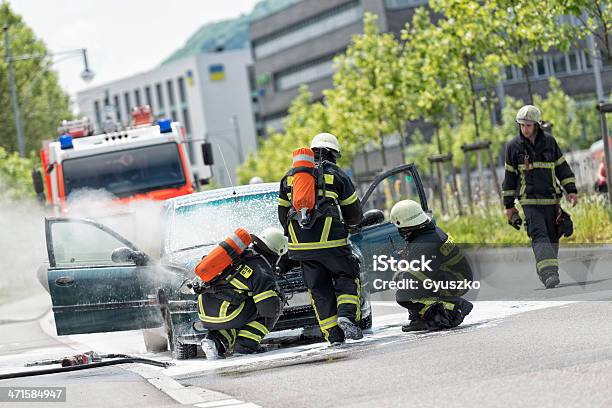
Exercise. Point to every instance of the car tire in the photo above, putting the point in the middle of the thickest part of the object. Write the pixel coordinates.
(156, 340)
(366, 322)
(184, 351)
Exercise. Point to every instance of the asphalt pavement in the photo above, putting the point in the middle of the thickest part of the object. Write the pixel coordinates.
(558, 356)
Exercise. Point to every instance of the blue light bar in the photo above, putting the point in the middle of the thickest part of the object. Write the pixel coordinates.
(65, 142)
(165, 125)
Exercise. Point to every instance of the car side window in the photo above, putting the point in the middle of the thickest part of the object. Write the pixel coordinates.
(394, 188)
(77, 244)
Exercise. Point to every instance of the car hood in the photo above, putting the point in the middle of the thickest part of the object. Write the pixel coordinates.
(186, 260)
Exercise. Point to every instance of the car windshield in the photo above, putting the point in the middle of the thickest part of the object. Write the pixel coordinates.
(211, 222)
(126, 172)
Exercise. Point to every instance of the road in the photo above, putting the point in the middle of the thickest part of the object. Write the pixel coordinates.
(541, 348)
(558, 356)
(100, 387)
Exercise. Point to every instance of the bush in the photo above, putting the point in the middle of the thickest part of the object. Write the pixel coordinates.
(15, 176)
(592, 224)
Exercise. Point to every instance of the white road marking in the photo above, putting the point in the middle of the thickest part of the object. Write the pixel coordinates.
(222, 403)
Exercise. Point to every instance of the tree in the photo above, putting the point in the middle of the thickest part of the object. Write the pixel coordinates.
(47, 104)
(273, 158)
(368, 91)
(595, 17)
(15, 176)
(428, 74)
(523, 28)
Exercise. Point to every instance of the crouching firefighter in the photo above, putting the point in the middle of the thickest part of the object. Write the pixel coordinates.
(317, 204)
(239, 300)
(430, 306)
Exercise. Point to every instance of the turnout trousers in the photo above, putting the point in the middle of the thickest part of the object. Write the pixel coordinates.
(542, 229)
(334, 287)
(247, 328)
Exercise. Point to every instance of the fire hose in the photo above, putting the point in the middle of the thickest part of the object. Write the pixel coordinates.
(83, 362)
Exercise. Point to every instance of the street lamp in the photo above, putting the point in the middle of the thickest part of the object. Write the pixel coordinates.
(87, 75)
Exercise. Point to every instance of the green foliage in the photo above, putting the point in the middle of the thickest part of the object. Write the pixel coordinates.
(592, 219)
(273, 158)
(43, 102)
(442, 73)
(15, 176)
(231, 34)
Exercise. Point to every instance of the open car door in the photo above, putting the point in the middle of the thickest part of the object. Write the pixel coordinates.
(90, 292)
(378, 235)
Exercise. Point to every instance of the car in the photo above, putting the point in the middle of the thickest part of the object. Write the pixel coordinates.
(101, 282)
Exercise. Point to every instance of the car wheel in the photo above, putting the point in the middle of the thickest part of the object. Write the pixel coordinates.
(156, 340)
(184, 351)
(366, 322)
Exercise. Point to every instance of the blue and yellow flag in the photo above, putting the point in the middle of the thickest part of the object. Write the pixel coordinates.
(216, 72)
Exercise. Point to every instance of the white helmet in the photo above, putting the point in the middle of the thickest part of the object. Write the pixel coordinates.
(408, 214)
(273, 239)
(325, 141)
(256, 180)
(528, 114)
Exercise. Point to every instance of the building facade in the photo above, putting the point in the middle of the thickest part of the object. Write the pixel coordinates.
(297, 45)
(210, 94)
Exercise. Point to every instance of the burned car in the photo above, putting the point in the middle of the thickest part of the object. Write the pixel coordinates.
(101, 282)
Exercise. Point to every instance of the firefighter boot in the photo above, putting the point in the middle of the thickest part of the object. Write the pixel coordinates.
(241, 350)
(551, 281)
(350, 329)
(213, 346)
(416, 323)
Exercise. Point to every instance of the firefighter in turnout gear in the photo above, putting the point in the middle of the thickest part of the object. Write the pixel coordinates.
(430, 309)
(239, 300)
(318, 236)
(535, 173)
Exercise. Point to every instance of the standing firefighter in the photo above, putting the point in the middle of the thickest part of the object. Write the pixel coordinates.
(317, 204)
(239, 300)
(431, 309)
(534, 163)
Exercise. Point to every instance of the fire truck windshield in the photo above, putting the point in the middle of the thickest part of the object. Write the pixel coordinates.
(126, 172)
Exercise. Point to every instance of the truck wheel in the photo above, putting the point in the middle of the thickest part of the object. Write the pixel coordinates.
(366, 322)
(155, 339)
(184, 351)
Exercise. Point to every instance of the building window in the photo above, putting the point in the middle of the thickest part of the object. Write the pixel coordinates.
(306, 73)
(191, 146)
(559, 63)
(170, 89)
(97, 113)
(148, 100)
(117, 108)
(160, 97)
(509, 73)
(137, 100)
(540, 67)
(181, 89)
(313, 27)
(128, 105)
(574, 61)
(588, 64)
(400, 4)
(187, 121)
(174, 116)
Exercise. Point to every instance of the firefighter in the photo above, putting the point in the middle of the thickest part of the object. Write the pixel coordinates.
(534, 163)
(430, 307)
(330, 270)
(241, 303)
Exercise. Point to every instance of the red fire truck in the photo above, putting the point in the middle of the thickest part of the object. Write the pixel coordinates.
(145, 161)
